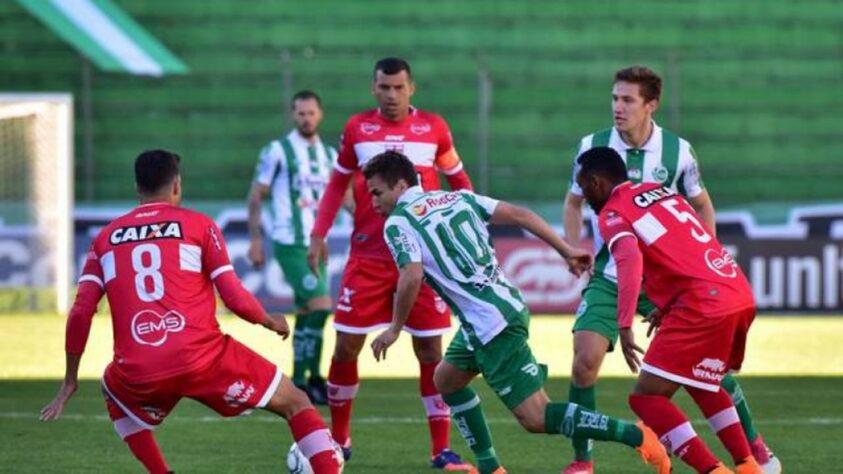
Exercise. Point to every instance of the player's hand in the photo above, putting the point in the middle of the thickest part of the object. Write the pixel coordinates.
(383, 341)
(54, 409)
(256, 253)
(317, 253)
(655, 320)
(579, 261)
(277, 323)
(629, 349)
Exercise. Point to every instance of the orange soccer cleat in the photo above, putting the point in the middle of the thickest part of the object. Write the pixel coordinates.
(652, 450)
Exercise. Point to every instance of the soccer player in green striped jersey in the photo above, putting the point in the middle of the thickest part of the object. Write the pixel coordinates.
(293, 170)
(443, 237)
(652, 155)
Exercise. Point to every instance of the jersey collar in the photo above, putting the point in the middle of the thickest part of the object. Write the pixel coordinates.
(412, 113)
(409, 194)
(296, 136)
(652, 143)
(619, 187)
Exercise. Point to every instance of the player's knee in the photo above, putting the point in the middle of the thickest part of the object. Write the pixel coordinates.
(295, 401)
(586, 368)
(428, 350)
(346, 349)
(531, 422)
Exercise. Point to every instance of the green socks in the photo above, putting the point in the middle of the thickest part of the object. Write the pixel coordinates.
(315, 324)
(469, 419)
(307, 344)
(734, 390)
(577, 422)
(584, 397)
(299, 351)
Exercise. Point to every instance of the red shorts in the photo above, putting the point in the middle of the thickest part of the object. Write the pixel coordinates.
(698, 351)
(366, 298)
(237, 381)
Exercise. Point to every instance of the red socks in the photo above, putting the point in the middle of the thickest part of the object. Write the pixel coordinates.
(342, 388)
(674, 430)
(724, 420)
(143, 446)
(314, 441)
(438, 413)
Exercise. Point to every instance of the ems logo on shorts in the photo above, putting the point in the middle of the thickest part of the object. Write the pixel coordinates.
(581, 308)
(309, 282)
(440, 304)
(660, 174)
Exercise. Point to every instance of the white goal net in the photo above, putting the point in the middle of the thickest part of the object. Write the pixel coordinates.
(36, 202)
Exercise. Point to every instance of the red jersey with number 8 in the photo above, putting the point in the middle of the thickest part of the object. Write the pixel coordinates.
(684, 265)
(156, 264)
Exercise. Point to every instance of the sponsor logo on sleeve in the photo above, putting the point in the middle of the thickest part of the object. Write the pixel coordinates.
(137, 233)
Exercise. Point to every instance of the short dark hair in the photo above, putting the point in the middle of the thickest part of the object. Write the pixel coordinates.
(155, 169)
(602, 161)
(649, 83)
(305, 95)
(390, 66)
(391, 166)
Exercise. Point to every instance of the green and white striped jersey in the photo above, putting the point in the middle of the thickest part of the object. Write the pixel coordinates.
(296, 173)
(446, 232)
(665, 158)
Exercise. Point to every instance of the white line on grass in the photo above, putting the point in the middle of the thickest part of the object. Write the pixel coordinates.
(399, 420)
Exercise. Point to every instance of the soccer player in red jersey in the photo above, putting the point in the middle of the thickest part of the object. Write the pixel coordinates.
(706, 304)
(158, 265)
(369, 282)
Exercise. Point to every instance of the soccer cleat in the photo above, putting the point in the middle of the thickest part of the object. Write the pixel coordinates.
(346, 450)
(317, 390)
(769, 462)
(721, 469)
(579, 467)
(652, 450)
(499, 470)
(749, 466)
(448, 460)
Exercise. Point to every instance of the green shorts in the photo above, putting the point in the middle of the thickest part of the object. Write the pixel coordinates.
(306, 285)
(506, 362)
(598, 310)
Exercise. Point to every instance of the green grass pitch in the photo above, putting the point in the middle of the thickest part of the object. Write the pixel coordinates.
(799, 415)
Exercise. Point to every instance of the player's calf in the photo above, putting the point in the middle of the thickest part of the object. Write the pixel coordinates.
(138, 438)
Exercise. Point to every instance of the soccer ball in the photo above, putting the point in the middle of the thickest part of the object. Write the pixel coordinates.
(297, 463)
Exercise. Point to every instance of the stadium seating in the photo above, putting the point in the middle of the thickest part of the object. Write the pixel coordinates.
(754, 85)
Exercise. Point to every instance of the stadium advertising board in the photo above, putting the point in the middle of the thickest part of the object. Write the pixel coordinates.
(793, 267)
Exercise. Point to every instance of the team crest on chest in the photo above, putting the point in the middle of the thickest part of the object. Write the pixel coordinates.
(660, 174)
(420, 128)
(369, 128)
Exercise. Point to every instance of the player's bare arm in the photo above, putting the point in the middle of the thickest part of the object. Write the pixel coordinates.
(256, 197)
(705, 208)
(54, 409)
(77, 332)
(410, 279)
(579, 260)
(572, 218)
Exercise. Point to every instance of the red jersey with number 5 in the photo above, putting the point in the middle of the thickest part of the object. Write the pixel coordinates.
(684, 265)
(156, 264)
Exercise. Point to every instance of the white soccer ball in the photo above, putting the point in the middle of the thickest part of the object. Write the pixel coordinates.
(297, 463)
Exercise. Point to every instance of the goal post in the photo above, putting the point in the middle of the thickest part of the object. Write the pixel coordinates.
(36, 200)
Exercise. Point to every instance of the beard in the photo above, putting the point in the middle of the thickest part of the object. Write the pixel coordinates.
(307, 133)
